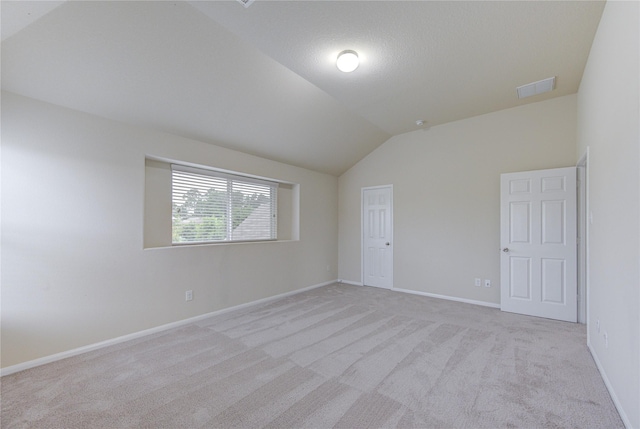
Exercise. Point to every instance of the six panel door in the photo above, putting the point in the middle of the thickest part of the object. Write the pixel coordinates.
(538, 264)
(377, 237)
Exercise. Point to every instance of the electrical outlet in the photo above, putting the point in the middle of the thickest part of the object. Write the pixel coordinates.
(478, 281)
(598, 325)
(606, 340)
(328, 268)
(188, 295)
(487, 283)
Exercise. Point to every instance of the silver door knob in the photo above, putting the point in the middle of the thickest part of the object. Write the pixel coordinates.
(505, 250)
(387, 243)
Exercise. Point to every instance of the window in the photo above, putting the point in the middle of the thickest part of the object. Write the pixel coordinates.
(211, 206)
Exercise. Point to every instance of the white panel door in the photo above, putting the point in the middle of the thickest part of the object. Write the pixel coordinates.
(538, 263)
(377, 234)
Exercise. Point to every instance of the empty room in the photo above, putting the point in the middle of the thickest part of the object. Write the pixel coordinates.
(318, 214)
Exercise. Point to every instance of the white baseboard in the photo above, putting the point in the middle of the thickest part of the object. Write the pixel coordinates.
(84, 349)
(431, 295)
(612, 393)
(449, 298)
(348, 282)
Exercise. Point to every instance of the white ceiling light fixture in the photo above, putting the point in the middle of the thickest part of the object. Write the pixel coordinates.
(347, 61)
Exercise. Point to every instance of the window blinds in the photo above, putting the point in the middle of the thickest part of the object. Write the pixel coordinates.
(212, 206)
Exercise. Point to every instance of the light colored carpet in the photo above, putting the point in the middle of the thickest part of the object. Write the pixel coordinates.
(337, 356)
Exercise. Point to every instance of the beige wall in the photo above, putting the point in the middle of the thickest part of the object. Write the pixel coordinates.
(608, 124)
(446, 194)
(74, 271)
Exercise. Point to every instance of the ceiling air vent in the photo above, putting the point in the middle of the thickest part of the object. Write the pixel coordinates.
(246, 3)
(535, 88)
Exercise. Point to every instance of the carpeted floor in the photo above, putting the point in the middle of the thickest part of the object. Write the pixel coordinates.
(337, 356)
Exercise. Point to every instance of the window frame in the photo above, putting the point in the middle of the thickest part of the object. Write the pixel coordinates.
(231, 178)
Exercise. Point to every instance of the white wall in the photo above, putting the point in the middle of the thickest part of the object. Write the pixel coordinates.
(74, 271)
(608, 124)
(446, 194)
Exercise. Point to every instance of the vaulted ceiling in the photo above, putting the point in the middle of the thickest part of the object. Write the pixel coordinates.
(263, 79)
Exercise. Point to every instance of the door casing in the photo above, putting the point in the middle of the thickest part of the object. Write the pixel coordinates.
(583, 237)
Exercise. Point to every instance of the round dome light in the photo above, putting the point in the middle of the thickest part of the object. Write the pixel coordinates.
(347, 61)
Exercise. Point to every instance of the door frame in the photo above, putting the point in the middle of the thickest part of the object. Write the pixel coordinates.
(362, 232)
(583, 236)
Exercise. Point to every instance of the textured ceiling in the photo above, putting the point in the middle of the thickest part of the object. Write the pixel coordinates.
(263, 79)
(431, 60)
(18, 14)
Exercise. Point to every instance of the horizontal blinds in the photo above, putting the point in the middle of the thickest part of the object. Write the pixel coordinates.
(209, 206)
(221, 174)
